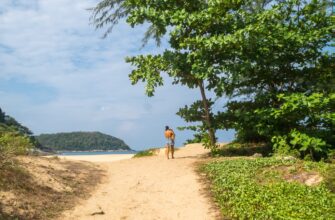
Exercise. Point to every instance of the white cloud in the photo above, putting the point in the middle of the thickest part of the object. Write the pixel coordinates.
(50, 43)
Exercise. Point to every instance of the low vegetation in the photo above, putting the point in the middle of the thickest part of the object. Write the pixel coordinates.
(273, 188)
(15, 139)
(146, 153)
(34, 187)
(42, 188)
(12, 144)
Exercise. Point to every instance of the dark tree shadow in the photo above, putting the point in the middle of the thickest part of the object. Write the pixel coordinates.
(198, 156)
(233, 150)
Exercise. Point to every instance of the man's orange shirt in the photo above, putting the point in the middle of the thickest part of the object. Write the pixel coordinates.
(169, 134)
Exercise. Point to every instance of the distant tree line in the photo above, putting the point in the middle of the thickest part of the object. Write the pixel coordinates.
(81, 141)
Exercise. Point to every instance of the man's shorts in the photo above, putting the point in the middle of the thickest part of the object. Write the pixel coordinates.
(170, 143)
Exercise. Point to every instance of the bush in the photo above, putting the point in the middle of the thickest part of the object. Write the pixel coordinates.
(146, 153)
(244, 149)
(302, 125)
(300, 145)
(12, 144)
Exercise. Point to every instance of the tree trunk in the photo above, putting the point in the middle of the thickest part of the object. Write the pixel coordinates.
(207, 117)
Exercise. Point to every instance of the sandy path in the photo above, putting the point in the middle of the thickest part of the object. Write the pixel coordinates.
(149, 188)
(98, 158)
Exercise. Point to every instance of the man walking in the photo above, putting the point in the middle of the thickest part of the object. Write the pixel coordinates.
(170, 136)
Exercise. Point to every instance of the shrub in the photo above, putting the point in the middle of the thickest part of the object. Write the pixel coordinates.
(146, 153)
(300, 144)
(244, 149)
(302, 124)
(12, 144)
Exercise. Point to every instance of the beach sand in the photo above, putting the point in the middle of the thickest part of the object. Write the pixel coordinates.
(98, 158)
(148, 188)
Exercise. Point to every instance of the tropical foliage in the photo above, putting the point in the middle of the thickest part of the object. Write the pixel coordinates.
(260, 55)
(15, 139)
(13, 144)
(309, 124)
(11, 124)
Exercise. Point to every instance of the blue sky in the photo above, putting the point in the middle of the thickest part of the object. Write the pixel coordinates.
(58, 75)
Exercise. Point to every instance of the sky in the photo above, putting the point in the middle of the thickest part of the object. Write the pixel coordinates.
(57, 74)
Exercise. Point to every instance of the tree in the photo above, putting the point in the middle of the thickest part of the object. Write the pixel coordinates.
(179, 64)
(284, 53)
(249, 51)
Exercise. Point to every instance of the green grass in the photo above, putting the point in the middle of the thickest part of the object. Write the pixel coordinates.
(12, 177)
(145, 153)
(330, 178)
(257, 189)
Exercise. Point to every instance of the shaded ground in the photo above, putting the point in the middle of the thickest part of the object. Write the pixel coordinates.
(150, 188)
(42, 188)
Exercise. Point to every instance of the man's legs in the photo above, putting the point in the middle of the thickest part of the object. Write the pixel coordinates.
(172, 151)
(172, 148)
(167, 151)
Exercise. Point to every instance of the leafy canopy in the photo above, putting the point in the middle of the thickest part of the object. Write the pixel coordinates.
(260, 55)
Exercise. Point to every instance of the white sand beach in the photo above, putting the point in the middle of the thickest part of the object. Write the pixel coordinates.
(98, 158)
(147, 188)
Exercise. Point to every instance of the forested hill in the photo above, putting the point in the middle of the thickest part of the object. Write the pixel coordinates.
(81, 141)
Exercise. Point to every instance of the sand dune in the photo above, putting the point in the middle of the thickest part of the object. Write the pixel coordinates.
(149, 188)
